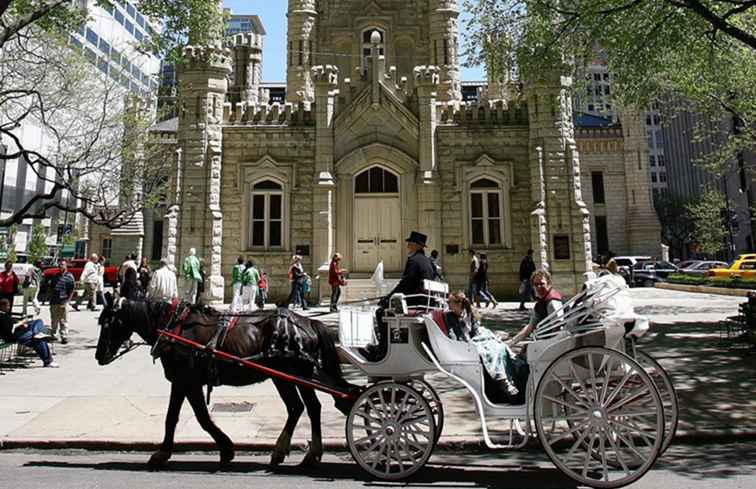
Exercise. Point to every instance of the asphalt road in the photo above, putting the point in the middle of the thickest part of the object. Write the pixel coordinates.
(682, 467)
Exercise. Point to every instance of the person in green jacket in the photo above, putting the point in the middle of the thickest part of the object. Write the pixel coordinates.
(192, 276)
(250, 279)
(236, 285)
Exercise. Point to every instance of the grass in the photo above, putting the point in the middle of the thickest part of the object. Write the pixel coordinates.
(730, 283)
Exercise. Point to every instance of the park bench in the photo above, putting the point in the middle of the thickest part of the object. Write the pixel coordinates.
(7, 353)
(739, 332)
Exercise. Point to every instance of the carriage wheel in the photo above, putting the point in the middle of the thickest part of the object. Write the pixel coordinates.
(599, 417)
(430, 396)
(391, 431)
(666, 392)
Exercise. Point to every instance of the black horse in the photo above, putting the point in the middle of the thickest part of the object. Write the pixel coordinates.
(279, 339)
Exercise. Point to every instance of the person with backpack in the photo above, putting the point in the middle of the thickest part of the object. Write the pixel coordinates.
(336, 280)
(30, 286)
(297, 277)
(8, 283)
(91, 281)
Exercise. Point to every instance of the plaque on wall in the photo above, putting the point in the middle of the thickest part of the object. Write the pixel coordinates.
(452, 249)
(561, 247)
(302, 250)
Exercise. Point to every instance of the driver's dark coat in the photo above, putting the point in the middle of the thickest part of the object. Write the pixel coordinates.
(417, 269)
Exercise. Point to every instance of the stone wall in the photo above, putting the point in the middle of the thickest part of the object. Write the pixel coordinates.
(286, 154)
(464, 154)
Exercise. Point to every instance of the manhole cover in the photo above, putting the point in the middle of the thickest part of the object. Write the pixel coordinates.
(233, 407)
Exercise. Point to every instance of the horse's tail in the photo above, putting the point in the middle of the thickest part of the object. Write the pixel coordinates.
(329, 357)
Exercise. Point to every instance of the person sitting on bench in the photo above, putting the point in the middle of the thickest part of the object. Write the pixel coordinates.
(29, 333)
(509, 373)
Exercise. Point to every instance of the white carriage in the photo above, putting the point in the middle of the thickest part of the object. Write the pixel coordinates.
(602, 410)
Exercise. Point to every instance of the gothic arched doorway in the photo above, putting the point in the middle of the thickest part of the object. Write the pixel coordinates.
(377, 220)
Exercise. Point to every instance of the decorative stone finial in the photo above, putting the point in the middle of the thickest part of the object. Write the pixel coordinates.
(375, 38)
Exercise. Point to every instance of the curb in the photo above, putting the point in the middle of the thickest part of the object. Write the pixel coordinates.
(458, 443)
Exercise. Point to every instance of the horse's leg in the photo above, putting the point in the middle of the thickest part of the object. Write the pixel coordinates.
(315, 452)
(294, 408)
(197, 400)
(161, 456)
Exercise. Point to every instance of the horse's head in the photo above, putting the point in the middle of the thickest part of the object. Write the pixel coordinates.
(114, 331)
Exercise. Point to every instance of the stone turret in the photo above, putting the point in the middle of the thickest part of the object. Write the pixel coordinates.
(301, 37)
(444, 47)
(199, 221)
(561, 220)
(247, 49)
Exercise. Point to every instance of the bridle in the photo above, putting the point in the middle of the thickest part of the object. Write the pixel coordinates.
(117, 305)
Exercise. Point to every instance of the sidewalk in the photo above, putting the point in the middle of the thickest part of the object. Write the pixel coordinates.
(122, 405)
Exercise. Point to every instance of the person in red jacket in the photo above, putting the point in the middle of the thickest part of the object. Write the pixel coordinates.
(8, 283)
(336, 280)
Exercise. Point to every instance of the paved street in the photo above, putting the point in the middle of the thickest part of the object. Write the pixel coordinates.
(684, 467)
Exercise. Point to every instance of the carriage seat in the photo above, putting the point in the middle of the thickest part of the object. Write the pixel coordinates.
(447, 350)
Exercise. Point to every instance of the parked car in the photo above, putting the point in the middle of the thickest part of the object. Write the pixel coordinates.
(625, 265)
(76, 267)
(647, 273)
(699, 267)
(743, 267)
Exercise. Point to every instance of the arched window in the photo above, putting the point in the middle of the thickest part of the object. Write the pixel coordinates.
(486, 213)
(266, 215)
(367, 46)
(376, 180)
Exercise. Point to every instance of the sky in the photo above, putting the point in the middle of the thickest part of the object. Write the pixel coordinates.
(273, 15)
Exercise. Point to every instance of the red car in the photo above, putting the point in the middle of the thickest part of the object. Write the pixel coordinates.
(76, 267)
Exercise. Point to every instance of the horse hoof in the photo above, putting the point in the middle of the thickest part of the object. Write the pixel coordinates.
(310, 461)
(277, 459)
(158, 460)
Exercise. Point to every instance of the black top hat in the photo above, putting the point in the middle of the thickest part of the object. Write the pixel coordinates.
(417, 238)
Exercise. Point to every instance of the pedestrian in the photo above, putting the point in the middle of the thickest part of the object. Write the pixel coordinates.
(192, 276)
(527, 267)
(9, 283)
(30, 286)
(236, 285)
(28, 333)
(336, 280)
(163, 284)
(437, 276)
(472, 288)
(482, 284)
(263, 286)
(90, 279)
(62, 292)
(250, 284)
(131, 288)
(296, 276)
(144, 273)
(101, 280)
(128, 262)
(202, 282)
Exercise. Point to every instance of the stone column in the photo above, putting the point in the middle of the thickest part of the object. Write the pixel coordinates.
(301, 42)
(173, 216)
(200, 134)
(444, 47)
(248, 57)
(567, 227)
(428, 181)
(326, 80)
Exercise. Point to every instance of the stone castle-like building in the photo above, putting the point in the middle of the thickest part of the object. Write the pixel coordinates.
(374, 141)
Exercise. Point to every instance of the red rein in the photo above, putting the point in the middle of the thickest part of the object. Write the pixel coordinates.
(260, 368)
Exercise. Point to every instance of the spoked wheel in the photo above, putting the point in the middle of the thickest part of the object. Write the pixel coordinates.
(430, 396)
(599, 417)
(390, 431)
(666, 392)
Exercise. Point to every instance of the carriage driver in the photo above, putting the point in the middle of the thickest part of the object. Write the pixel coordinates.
(417, 269)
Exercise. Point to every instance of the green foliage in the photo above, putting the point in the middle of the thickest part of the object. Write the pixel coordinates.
(702, 52)
(676, 222)
(708, 231)
(37, 247)
(730, 283)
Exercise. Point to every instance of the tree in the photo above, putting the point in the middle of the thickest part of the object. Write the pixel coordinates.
(709, 231)
(676, 223)
(47, 84)
(37, 247)
(698, 53)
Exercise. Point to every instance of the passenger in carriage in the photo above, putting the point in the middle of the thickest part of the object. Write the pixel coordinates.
(548, 300)
(462, 323)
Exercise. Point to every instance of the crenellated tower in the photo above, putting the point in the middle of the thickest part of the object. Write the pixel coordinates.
(444, 47)
(301, 40)
(247, 51)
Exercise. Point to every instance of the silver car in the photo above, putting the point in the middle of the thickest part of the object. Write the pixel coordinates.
(700, 267)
